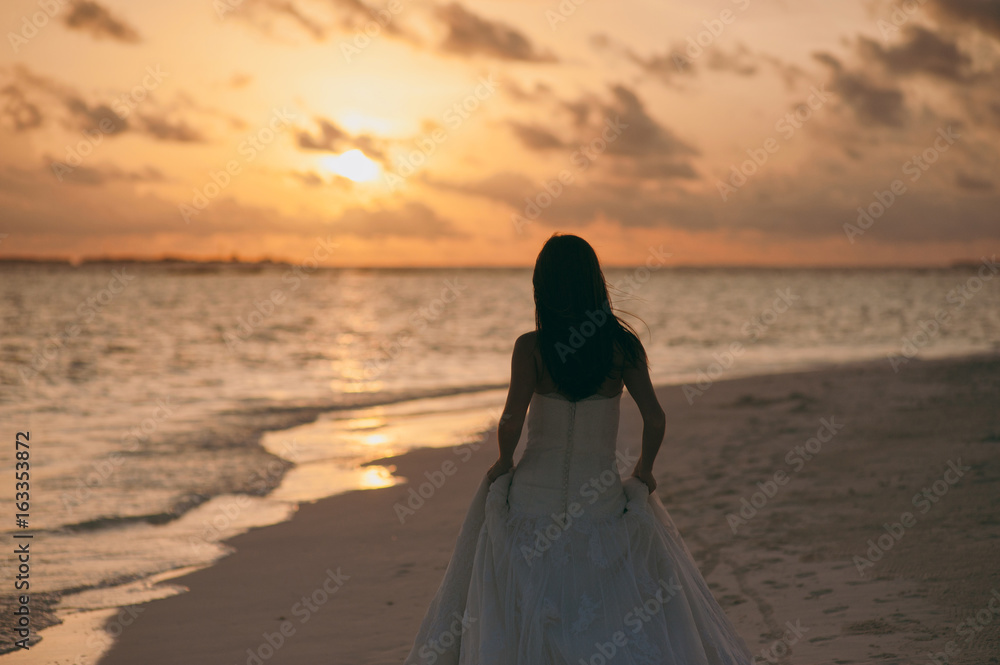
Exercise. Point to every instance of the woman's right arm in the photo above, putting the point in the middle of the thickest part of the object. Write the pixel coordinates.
(654, 422)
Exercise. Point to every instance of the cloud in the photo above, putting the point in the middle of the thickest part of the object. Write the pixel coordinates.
(922, 52)
(536, 138)
(91, 17)
(777, 206)
(634, 144)
(291, 11)
(644, 136)
(332, 138)
(469, 34)
(307, 178)
(973, 183)
(675, 64)
(163, 129)
(982, 14)
(413, 220)
(741, 61)
(641, 134)
(873, 104)
(321, 20)
(97, 176)
(17, 112)
(97, 118)
(36, 203)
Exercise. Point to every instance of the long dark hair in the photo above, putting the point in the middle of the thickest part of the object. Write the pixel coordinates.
(577, 330)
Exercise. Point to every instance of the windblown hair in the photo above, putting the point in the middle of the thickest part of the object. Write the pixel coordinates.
(577, 330)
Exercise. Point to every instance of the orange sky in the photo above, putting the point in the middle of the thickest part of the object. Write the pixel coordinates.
(727, 132)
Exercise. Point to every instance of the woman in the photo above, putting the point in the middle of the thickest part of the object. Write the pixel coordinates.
(559, 561)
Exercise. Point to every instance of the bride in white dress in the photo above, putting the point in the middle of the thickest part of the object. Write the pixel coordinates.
(559, 560)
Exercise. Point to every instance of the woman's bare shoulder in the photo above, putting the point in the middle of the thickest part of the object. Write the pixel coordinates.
(527, 340)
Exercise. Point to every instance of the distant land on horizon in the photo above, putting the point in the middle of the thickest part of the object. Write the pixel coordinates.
(237, 262)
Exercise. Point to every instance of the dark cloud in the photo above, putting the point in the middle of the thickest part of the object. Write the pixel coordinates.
(308, 178)
(639, 146)
(470, 34)
(741, 61)
(96, 176)
(644, 135)
(292, 12)
(982, 14)
(322, 19)
(922, 51)
(413, 220)
(873, 104)
(97, 118)
(665, 66)
(674, 65)
(973, 183)
(164, 129)
(36, 203)
(17, 112)
(333, 139)
(536, 138)
(148, 119)
(541, 91)
(99, 22)
(779, 206)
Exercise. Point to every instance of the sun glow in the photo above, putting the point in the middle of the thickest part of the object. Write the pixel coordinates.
(353, 165)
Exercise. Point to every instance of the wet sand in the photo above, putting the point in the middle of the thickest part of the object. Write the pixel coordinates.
(826, 461)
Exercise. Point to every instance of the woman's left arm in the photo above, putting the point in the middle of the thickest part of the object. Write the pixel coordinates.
(522, 384)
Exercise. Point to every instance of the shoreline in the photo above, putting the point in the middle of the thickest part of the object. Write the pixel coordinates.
(428, 534)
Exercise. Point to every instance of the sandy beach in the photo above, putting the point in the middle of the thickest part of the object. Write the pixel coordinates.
(845, 515)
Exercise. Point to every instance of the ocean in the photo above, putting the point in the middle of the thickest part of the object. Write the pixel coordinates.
(172, 405)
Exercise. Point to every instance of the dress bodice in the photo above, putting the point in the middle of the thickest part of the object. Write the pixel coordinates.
(569, 461)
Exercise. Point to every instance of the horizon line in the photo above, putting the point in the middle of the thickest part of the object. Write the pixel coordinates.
(235, 260)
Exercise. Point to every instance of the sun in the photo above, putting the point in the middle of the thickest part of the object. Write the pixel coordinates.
(353, 165)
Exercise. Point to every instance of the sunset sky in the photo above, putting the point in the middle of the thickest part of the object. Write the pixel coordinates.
(203, 129)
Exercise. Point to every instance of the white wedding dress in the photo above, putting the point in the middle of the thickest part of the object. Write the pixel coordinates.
(560, 562)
